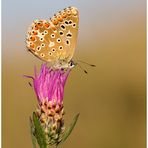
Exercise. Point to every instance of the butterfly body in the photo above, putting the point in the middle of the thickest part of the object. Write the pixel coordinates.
(54, 41)
(63, 64)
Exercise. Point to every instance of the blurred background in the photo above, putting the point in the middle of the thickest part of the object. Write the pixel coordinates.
(111, 98)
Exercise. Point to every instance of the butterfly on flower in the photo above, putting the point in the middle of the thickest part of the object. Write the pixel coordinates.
(54, 41)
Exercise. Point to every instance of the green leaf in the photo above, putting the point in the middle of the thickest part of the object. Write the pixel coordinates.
(32, 133)
(69, 129)
(39, 132)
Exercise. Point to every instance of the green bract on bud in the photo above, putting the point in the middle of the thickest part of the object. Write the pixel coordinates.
(47, 124)
(51, 119)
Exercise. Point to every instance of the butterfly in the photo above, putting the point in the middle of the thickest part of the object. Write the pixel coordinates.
(54, 40)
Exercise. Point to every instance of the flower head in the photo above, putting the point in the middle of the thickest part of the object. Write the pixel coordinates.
(49, 84)
(47, 123)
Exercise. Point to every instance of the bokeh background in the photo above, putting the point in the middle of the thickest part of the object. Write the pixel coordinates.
(111, 99)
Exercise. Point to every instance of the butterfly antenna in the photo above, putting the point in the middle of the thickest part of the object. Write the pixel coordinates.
(81, 68)
(30, 84)
(92, 65)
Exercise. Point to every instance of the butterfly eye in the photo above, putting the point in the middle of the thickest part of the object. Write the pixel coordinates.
(61, 32)
(42, 54)
(63, 27)
(59, 40)
(61, 47)
(38, 48)
(74, 25)
(43, 45)
(52, 35)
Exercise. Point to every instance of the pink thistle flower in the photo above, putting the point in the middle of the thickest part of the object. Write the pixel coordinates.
(47, 122)
(49, 84)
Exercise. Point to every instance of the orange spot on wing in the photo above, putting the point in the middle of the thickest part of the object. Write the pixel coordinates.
(32, 38)
(32, 46)
(34, 32)
(40, 24)
(64, 15)
(36, 27)
(55, 21)
(59, 18)
(46, 24)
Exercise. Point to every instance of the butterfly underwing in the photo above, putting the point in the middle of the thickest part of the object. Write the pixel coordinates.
(54, 40)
